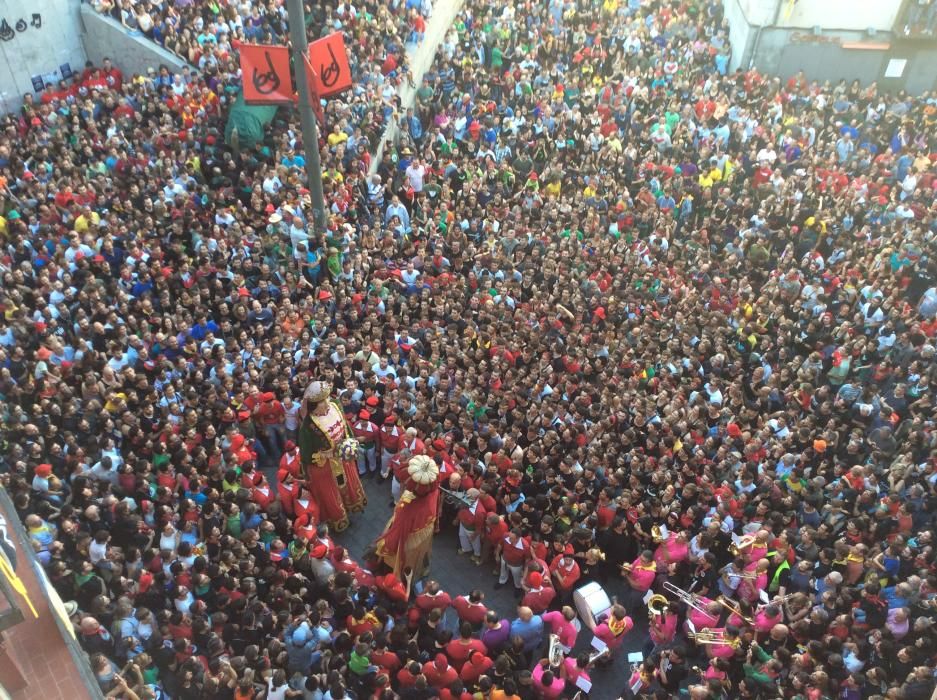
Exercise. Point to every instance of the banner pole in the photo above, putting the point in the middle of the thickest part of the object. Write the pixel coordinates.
(296, 16)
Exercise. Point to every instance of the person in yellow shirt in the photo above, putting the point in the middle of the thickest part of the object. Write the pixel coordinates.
(86, 219)
(553, 188)
(337, 137)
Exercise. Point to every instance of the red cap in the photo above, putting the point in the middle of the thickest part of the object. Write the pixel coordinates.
(319, 551)
(372, 401)
(290, 445)
(44, 470)
(535, 578)
(244, 415)
(325, 294)
(364, 415)
(390, 420)
(733, 430)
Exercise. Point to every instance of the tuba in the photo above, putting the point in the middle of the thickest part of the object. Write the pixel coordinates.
(557, 653)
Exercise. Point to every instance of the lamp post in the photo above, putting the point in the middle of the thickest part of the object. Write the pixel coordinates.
(296, 16)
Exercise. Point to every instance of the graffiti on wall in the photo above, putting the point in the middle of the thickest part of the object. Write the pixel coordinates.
(7, 33)
(811, 38)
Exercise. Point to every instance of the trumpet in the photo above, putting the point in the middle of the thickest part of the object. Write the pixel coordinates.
(556, 653)
(686, 597)
(745, 575)
(457, 498)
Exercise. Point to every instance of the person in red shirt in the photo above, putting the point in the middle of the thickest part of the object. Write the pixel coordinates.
(288, 490)
(471, 525)
(514, 552)
(459, 650)
(383, 657)
(390, 586)
(271, 416)
(406, 677)
(470, 608)
(496, 529)
(438, 672)
(477, 665)
(290, 459)
(390, 440)
(565, 572)
(368, 437)
(538, 596)
(433, 598)
(261, 493)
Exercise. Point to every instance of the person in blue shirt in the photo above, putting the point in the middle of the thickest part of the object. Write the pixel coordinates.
(202, 326)
(529, 628)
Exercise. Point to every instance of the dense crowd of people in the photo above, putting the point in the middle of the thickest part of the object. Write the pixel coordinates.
(206, 35)
(667, 323)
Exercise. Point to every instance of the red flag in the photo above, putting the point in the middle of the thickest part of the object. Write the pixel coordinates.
(328, 57)
(265, 74)
(312, 84)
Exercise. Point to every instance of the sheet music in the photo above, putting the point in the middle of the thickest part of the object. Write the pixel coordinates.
(598, 644)
(584, 683)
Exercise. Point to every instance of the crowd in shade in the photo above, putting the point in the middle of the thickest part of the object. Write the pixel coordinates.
(672, 324)
(206, 35)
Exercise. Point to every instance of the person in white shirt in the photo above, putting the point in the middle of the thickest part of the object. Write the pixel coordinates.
(416, 172)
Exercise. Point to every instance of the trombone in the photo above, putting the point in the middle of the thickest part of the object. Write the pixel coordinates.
(686, 597)
(716, 636)
(737, 610)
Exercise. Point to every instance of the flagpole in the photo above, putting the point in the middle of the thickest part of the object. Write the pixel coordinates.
(296, 16)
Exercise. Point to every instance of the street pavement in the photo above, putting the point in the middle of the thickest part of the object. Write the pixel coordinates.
(458, 575)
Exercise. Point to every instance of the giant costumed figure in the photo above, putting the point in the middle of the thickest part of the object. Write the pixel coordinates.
(329, 455)
(408, 538)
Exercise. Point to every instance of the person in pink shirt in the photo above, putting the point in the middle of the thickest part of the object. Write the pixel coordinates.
(705, 619)
(662, 630)
(613, 629)
(547, 685)
(766, 618)
(759, 548)
(675, 549)
(750, 589)
(639, 575)
(561, 624)
(716, 671)
(574, 669)
(726, 650)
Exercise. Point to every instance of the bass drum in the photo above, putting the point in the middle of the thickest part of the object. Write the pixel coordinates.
(592, 603)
